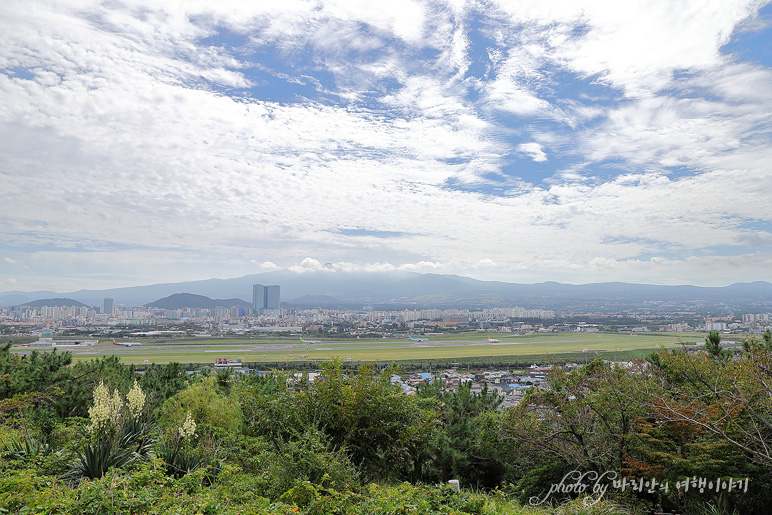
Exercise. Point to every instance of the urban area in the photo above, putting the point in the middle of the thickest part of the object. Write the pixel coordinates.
(267, 314)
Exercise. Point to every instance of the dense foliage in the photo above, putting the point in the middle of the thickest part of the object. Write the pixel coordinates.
(98, 438)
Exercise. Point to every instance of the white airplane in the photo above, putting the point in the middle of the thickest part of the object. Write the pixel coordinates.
(309, 341)
(493, 340)
(417, 339)
(127, 344)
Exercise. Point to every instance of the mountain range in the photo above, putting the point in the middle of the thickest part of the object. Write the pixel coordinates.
(396, 290)
(55, 302)
(191, 300)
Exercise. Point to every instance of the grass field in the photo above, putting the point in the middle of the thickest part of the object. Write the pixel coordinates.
(445, 347)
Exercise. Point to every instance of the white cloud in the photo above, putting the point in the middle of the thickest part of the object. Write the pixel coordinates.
(310, 265)
(421, 266)
(637, 45)
(120, 144)
(534, 151)
(367, 267)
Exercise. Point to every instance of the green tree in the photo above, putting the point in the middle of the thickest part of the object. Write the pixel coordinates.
(729, 399)
(456, 448)
(380, 427)
(77, 383)
(162, 382)
(207, 405)
(35, 372)
(707, 417)
(754, 343)
(584, 419)
(713, 346)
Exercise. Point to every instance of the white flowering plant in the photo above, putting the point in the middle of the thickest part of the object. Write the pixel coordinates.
(188, 428)
(117, 434)
(136, 401)
(177, 451)
(106, 413)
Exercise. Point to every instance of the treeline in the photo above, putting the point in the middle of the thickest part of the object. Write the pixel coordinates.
(476, 363)
(96, 437)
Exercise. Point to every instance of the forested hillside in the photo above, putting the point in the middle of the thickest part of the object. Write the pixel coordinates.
(98, 438)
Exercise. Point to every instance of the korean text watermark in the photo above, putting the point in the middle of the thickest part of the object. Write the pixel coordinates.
(597, 484)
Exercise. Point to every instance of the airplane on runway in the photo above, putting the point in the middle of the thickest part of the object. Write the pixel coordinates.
(417, 339)
(127, 344)
(493, 340)
(309, 341)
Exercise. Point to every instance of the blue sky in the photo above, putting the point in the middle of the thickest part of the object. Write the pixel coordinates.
(145, 141)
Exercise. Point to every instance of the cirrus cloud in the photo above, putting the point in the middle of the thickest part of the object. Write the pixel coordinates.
(184, 136)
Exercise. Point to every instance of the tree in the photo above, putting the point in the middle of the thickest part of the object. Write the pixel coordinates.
(35, 372)
(729, 399)
(583, 420)
(162, 382)
(455, 450)
(708, 417)
(713, 346)
(753, 343)
(206, 404)
(380, 427)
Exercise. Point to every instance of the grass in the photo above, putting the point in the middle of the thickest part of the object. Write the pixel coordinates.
(461, 347)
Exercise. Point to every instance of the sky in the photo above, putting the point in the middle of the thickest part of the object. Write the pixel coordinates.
(149, 141)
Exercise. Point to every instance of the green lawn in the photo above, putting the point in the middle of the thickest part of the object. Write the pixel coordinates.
(205, 350)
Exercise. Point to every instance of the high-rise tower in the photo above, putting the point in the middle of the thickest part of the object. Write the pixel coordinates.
(266, 298)
(108, 306)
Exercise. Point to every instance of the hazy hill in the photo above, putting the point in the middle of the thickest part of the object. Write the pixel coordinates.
(18, 298)
(190, 300)
(409, 289)
(54, 302)
(320, 301)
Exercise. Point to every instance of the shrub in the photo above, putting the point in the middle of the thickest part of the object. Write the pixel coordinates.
(591, 506)
(117, 436)
(94, 459)
(205, 404)
(26, 448)
(308, 458)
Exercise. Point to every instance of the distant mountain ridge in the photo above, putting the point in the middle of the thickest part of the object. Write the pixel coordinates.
(190, 300)
(57, 302)
(410, 289)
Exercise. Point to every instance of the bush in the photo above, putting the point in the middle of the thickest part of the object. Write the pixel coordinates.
(591, 506)
(206, 405)
(95, 459)
(308, 458)
(26, 488)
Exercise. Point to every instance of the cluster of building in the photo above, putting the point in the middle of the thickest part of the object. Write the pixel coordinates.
(266, 315)
(509, 386)
(748, 322)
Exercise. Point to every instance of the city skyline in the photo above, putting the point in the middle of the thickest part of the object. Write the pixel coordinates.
(513, 141)
(355, 290)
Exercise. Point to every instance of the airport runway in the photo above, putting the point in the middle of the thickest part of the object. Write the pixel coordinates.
(106, 350)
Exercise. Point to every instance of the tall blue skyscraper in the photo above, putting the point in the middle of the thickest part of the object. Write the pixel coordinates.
(266, 298)
(108, 306)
